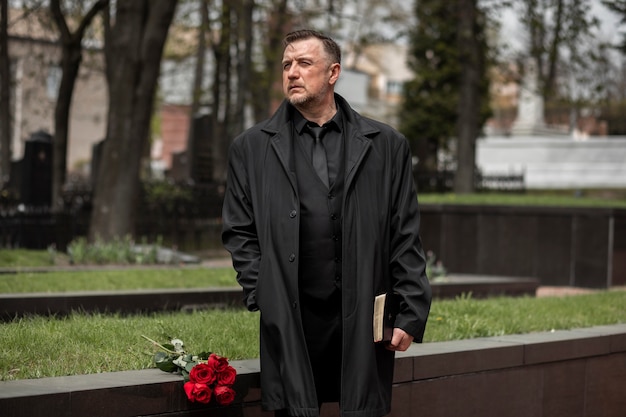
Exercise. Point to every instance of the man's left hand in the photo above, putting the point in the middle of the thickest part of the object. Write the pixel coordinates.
(400, 340)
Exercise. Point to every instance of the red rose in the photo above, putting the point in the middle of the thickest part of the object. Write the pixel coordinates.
(197, 392)
(217, 363)
(227, 376)
(202, 373)
(224, 395)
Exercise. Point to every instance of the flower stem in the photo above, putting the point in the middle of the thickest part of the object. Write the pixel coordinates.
(160, 345)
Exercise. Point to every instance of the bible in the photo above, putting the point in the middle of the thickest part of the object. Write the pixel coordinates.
(386, 308)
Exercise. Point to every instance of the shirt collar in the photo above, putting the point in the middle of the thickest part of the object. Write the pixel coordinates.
(300, 122)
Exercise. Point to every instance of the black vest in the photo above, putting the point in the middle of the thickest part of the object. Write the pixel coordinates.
(320, 228)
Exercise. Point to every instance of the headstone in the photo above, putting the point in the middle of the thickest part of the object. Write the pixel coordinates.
(36, 170)
(96, 156)
(201, 166)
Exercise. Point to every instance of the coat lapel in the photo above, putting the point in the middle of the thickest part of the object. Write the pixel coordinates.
(358, 140)
(279, 127)
(357, 146)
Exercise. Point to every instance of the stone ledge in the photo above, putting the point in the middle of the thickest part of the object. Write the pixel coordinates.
(141, 301)
(131, 301)
(504, 359)
(482, 286)
(127, 393)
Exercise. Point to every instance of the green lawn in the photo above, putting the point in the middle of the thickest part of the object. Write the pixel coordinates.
(15, 258)
(127, 279)
(615, 199)
(38, 347)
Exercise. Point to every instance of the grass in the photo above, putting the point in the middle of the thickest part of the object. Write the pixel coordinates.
(611, 198)
(110, 280)
(15, 258)
(466, 318)
(36, 347)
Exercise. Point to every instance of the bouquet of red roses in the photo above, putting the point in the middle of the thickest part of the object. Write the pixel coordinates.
(206, 374)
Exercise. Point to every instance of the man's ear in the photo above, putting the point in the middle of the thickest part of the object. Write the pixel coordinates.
(335, 70)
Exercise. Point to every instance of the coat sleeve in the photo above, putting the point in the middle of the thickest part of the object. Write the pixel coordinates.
(239, 233)
(407, 259)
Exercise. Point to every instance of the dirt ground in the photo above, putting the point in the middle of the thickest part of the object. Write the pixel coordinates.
(547, 291)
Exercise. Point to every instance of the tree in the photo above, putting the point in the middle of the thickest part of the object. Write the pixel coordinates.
(276, 26)
(5, 97)
(619, 7)
(71, 57)
(223, 39)
(196, 92)
(367, 18)
(235, 53)
(429, 110)
(473, 90)
(561, 42)
(222, 93)
(133, 49)
(447, 97)
(615, 104)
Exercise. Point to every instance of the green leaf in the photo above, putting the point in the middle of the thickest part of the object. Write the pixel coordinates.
(203, 356)
(185, 375)
(189, 366)
(164, 362)
(160, 356)
(167, 366)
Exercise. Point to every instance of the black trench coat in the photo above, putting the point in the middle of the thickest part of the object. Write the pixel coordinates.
(381, 251)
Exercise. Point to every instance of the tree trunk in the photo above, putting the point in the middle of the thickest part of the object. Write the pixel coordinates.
(469, 97)
(265, 94)
(70, 64)
(244, 62)
(548, 88)
(221, 92)
(135, 48)
(71, 57)
(5, 97)
(198, 81)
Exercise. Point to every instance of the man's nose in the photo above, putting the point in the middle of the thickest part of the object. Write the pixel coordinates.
(293, 71)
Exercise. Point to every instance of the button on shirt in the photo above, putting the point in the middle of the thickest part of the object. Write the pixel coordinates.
(333, 140)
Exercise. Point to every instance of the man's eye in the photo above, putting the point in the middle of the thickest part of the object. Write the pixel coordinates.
(286, 66)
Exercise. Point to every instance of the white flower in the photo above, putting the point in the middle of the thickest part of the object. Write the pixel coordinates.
(178, 345)
(180, 362)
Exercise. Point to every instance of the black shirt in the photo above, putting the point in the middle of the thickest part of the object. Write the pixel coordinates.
(332, 140)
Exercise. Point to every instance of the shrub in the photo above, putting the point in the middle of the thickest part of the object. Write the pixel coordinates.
(117, 251)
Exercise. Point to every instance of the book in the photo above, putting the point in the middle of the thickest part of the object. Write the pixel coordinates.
(386, 308)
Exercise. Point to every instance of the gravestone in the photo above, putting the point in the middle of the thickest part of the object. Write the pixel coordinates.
(195, 164)
(36, 170)
(96, 157)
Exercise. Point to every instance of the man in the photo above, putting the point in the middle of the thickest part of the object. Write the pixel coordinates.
(314, 241)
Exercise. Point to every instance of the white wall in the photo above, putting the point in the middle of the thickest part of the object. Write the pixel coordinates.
(556, 162)
(352, 85)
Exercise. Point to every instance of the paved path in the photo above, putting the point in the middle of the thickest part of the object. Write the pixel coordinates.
(547, 291)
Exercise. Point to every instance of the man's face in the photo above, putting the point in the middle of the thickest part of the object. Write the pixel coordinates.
(307, 72)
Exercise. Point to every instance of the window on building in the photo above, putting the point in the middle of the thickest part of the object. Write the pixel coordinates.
(53, 81)
(394, 87)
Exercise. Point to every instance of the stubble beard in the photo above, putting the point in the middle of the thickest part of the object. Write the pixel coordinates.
(308, 100)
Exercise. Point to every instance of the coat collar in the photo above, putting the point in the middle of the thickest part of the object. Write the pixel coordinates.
(358, 136)
(283, 114)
